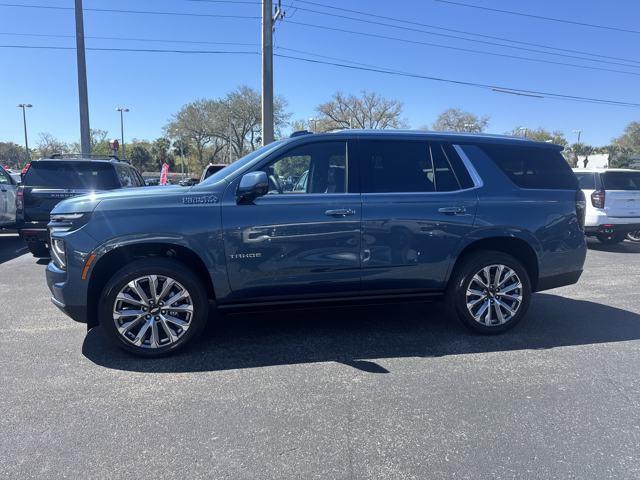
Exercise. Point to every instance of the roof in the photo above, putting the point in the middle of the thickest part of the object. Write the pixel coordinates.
(445, 136)
(80, 160)
(603, 170)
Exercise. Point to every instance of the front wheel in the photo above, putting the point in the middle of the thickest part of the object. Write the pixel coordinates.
(634, 236)
(153, 306)
(490, 292)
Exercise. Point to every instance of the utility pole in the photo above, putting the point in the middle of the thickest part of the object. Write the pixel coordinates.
(122, 110)
(268, 21)
(579, 132)
(85, 133)
(24, 106)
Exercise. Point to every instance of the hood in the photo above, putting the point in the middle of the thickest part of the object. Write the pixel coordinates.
(88, 203)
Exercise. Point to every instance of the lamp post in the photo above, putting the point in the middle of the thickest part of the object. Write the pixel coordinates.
(122, 110)
(24, 107)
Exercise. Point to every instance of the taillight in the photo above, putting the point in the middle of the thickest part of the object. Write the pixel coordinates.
(581, 208)
(26, 168)
(20, 199)
(597, 199)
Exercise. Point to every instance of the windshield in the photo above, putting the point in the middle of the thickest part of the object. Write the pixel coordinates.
(240, 163)
(61, 174)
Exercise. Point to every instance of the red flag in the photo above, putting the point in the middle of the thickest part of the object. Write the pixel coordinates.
(163, 173)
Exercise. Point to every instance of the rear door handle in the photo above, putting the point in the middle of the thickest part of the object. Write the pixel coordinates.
(453, 210)
(340, 212)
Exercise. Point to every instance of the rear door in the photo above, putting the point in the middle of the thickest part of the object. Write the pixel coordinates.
(7, 199)
(622, 193)
(48, 182)
(418, 202)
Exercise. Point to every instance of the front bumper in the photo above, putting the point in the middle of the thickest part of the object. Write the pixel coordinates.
(58, 284)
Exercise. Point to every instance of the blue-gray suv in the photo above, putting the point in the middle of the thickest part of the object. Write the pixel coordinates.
(365, 216)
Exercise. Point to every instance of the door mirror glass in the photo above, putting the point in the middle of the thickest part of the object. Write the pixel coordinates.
(252, 185)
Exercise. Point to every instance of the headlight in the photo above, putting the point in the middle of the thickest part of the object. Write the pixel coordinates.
(58, 253)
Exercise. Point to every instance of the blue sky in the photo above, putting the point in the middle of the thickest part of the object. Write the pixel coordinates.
(154, 85)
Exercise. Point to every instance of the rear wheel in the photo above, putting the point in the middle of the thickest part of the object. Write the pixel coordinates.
(490, 292)
(152, 307)
(634, 236)
(610, 238)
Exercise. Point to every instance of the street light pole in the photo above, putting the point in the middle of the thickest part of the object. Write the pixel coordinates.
(267, 72)
(579, 132)
(122, 110)
(85, 132)
(24, 106)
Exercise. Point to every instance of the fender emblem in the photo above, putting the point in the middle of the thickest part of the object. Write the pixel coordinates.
(237, 256)
(199, 199)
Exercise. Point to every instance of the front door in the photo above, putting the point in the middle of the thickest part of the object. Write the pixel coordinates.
(303, 237)
(418, 202)
(7, 199)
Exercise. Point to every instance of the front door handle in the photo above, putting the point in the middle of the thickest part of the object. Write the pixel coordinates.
(340, 212)
(453, 210)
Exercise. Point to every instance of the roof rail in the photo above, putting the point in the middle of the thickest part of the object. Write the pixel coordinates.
(300, 133)
(81, 156)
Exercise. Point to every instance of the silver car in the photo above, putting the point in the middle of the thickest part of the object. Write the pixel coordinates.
(8, 188)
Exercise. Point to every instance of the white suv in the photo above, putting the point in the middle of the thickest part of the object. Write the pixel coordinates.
(613, 202)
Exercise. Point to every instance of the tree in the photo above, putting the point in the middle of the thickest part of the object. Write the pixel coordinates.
(580, 150)
(139, 154)
(12, 155)
(161, 152)
(457, 120)
(48, 145)
(542, 135)
(627, 146)
(98, 141)
(369, 110)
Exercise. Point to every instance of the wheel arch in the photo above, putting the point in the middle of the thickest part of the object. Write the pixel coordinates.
(114, 259)
(517, 247)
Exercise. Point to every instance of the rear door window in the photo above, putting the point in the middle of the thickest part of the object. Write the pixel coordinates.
(82, 175)
(532, 167)
(621, 180)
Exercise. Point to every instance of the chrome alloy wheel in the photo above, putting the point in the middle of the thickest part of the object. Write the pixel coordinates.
(634, 236)
(494, 295)
(153, 311)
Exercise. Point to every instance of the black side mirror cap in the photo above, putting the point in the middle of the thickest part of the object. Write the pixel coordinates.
(252, 185)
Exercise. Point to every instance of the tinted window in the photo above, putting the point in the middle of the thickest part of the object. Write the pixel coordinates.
(587, 181)
(462, 174)
(396, 166)
(4, 178)
(125, 175)
(311, 168)
(61, 174)
(621, 180)
(533, 167)
(445, 178)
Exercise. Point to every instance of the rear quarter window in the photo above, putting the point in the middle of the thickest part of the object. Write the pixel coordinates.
(621, 180)
(533, 167)
(587, 181)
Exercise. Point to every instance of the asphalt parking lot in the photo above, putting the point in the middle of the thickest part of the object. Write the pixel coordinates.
(394, 391)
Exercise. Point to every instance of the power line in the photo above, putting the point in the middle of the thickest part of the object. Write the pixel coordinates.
(462, 49)
(143, 50)
(409, 22)
(541, 17)
(132, 39)
(503, 89)
(141, 12)
(514, 91)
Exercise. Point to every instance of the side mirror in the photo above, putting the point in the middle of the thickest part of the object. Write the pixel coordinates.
(252, 185)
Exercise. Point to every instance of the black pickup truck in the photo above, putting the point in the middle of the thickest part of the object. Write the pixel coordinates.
(50, 180)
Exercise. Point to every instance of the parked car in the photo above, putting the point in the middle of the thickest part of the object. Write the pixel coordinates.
(8, 187)
(49, 181)
(482, 220)
(188, 182)
(634, 236)
(210, 170)
(613, 206)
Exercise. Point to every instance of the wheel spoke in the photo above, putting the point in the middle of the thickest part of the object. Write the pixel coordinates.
(499, 313)
(125, 297)
(496, 279)
(155, 335)
(176, 321)
(127, 313)
(506, 307)
(181, 308)
(140, 337)
(517, 298)
(473, 303)
(167, 330)
(476, 278)
(153, 287)
(135, 286)
(509, 274)
(166, 288)
(509, 288)
(482, 310)
(177, 297)
(125, 327)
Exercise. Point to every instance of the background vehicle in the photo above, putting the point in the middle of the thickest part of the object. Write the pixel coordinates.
(634, 236)
(8, 189)
(211, 169)
(49, 181)
(483, 220)
(189, 182)
(613, 202)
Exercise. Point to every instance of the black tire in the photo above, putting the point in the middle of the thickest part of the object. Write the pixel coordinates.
(164, 267)
(634, 236)
(462, 278)
(610, 239)
(39, 249)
